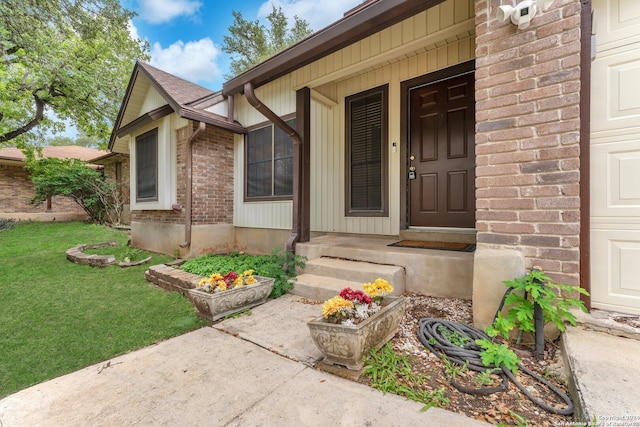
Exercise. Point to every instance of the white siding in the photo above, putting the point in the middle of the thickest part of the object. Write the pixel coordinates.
(433, 40)
(152, 101)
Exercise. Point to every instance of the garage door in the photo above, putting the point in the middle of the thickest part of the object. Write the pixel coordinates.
(615, 157)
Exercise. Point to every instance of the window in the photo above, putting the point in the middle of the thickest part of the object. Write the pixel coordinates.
(147, 166)
(269, 163)
(366, 126)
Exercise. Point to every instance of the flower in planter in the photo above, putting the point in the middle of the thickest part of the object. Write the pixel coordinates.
(351, 307)
(378, 289)
(218, 283)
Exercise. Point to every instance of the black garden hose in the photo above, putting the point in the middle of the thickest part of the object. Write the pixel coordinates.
(434, 333)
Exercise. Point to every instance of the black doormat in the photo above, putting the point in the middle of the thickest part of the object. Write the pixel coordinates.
(443, 246)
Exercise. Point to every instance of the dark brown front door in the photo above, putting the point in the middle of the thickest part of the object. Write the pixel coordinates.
(441, 154)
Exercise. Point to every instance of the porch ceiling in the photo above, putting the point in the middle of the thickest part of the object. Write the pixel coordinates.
(405, 51)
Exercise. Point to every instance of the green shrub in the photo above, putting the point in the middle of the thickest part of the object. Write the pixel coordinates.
(280, 265)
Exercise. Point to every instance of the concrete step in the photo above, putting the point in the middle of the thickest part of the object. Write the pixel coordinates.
(430, 272)
(320, 288)
(603, 372)
(356, 271)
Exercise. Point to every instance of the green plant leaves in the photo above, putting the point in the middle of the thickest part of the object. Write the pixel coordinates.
(391, 373)
(280, 265)
(533, 288)
(498, 355)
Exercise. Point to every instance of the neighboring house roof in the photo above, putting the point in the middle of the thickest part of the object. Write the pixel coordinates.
(15, 156)
(364, 20)
(186, 99)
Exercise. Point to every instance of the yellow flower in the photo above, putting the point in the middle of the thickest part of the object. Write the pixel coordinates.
(248, 273)
(335, 305)
(378, 288)
(202, 282)
(216, 277)
(238, 282)
(250, 280)
(222, 285)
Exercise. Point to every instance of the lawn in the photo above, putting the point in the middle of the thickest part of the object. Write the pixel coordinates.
(57, 317)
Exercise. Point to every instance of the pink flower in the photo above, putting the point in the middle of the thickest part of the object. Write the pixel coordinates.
(355, 296)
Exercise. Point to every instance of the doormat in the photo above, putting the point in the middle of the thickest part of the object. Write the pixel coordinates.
(443, 246)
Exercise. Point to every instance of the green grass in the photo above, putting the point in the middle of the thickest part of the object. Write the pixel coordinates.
(57, 317)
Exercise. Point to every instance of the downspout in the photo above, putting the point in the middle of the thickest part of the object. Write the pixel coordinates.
(297, 145)
(189, 189)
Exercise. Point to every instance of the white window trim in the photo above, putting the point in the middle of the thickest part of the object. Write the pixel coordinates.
(167, 176)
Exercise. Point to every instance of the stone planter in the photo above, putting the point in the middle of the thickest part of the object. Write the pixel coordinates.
(220, 304)
(347, 345)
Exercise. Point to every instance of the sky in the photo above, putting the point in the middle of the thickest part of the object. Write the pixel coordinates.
(186, 36)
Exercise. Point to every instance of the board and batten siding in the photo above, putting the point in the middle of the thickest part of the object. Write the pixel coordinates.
(280, 98)
(433, 40)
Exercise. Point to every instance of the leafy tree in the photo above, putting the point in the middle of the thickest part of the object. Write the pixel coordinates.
(251, 42)
(70, 57)
(100, 199)
(81, 141)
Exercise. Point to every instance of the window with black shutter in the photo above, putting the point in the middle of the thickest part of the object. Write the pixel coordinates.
(147, 166)
(269, 166)
(367, 153)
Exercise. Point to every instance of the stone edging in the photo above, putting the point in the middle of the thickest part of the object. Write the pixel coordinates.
(172, 279)
(76, 254)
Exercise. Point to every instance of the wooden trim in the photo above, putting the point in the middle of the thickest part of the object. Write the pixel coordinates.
(405, 87)
(144, 120)
(585, 141)
(384, 211)
(302, 167)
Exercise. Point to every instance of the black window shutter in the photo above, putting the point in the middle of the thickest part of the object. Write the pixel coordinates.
(366, 153)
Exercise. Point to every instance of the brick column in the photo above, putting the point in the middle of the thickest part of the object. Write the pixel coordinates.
(527, 140)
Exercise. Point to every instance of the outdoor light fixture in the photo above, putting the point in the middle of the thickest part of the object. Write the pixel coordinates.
(522, 14)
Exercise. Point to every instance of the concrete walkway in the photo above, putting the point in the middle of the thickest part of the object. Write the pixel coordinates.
(601, 357)
(251, 371)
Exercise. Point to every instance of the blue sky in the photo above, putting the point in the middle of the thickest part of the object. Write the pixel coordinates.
(186, 35)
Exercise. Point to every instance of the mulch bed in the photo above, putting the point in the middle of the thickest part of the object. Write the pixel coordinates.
(509, 407)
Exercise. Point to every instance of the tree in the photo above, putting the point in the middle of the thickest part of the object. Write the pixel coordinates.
(81, 141)
(251, 42)
(69, 57)
(100, 199)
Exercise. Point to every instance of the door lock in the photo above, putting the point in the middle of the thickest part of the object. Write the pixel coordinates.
(412, 157)
(412, 172)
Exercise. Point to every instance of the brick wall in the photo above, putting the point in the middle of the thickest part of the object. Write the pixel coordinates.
(527, 152)
(213, 177)
(212, 180)
(110, 174)
(16, 190)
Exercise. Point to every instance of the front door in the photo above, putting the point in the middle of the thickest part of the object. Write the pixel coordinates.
(442, 154)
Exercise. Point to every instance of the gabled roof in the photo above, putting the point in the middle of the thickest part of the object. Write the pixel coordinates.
(16, 156)
(186, 99)
(358, 23)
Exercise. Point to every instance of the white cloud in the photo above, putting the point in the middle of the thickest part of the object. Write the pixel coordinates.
(159, 11)
(318, 14)
(133, 31)
(194, 61)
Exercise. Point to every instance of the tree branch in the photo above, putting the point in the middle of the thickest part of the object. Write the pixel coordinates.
(31, 124)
